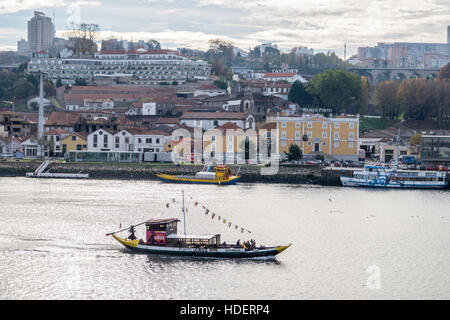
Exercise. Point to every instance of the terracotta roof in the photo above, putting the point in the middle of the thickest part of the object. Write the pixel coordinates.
(229, 125)
(64, 119)
(209, 87)
(57, 132)
(269, 126)
(215, 115)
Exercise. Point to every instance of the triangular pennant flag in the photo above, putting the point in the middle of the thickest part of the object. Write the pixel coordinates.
(207, 211)
(242, 230)
(173, 200)
(236, 226)
(249, 231)
(218, 217)
(203, 207)
(167, 205)
(229, 224)
(213, 215)
(196, 203)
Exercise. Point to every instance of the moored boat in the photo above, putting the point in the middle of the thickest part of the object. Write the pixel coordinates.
(384, 177)
(221, 175)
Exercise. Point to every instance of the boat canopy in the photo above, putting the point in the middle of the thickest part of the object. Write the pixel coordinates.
(189, 236)
(161, 221)
(210, 239)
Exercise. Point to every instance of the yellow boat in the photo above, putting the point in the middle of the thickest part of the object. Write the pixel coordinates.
(222, 175)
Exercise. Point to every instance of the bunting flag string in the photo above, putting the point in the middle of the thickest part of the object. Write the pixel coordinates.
(219, 218)
(207, 211)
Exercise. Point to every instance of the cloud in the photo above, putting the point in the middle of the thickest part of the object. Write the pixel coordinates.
(13, 6)
(321, 24)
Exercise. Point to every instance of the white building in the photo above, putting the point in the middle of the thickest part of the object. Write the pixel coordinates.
(29, 148)
(149, 108)
(151, 140)
(96, 104)
(290, 77)
(101, 140)
(138, 67)
(210, 120)
(209, 90)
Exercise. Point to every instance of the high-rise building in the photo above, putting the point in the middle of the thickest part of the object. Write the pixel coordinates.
(40, 32)
(23, 48)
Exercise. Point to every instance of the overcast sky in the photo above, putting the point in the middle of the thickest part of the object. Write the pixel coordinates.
(319, 24)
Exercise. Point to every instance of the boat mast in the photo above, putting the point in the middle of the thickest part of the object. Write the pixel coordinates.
(184, 214)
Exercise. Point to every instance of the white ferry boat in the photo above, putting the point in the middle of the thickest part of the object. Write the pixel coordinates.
(384, 177)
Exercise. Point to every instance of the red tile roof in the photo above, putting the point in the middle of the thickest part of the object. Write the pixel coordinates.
(62, 119)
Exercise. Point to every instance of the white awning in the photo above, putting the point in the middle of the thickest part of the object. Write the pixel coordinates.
(189, 236)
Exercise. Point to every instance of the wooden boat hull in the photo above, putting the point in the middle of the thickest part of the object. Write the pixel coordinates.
(222, 253)
(177, 179)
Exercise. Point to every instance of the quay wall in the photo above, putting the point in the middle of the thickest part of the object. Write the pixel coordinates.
(293, 174)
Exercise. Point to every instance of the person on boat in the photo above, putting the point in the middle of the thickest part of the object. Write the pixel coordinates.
(253, 242)
(238, 243)
(132, 236)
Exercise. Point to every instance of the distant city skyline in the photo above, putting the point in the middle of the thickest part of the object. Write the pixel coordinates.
(321, 25)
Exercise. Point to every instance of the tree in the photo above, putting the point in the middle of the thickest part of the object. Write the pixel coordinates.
(386, 99)
(83, 38)
(295, 153)
(23, 89)
(298, 94)
(337, 89)
(444, 73)
(221, 84)
(59, 83)
(80, 82)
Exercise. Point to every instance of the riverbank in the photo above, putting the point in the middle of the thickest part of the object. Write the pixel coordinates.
(292, 174)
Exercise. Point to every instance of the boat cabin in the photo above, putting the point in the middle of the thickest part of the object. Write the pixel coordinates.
(157, 230)
(223, 172)
(194, 240)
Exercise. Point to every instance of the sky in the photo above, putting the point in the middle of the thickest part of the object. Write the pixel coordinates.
(324, 25)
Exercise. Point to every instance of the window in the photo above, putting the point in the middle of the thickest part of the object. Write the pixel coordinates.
(350, 144)
(74, 138)
(95, 141)
(127, 140)
(336, 144)
(324, 144)
(79, 147)
(336, 125)
(324, 134)
(351, 125)
(148, 140)
(139, 140)
(105, 141)
(297, 124)
(283, 124)
(351, 136)
(283, 143)
(283, 134)
(230, 138)
(309, 134)
(157, 140)
(213, 138)
(309, 124)
(297, 134)
(324, 125)
(336, 136)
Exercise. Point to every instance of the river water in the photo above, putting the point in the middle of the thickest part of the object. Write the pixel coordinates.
(346, 243)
